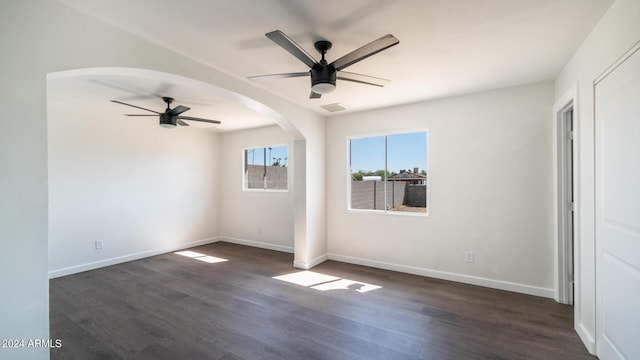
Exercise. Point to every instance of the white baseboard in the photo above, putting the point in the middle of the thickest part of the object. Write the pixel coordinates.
(308, 265)
(587, 339)
(467, 279)
(258, 244)
(129, 257)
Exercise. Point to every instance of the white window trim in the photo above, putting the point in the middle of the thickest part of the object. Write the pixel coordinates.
(387, 212)
(244, 189)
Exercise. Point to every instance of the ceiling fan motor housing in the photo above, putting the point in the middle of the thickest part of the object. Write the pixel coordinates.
(168, 120)
(323, 74)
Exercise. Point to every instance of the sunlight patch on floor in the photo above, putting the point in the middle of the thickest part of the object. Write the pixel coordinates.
(200, 257)
(346, 284)
(306, 278)
(323, 282)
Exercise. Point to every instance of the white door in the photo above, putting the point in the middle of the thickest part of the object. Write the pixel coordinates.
(617, 151)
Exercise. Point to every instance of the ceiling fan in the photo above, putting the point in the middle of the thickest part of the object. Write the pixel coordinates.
(170, 117)
(323, 74)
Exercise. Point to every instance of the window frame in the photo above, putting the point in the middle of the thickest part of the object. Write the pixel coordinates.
(427, 151)
(262, 190)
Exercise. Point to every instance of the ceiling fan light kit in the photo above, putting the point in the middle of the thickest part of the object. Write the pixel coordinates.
(323, 79)
(323, 75)
(323, 87)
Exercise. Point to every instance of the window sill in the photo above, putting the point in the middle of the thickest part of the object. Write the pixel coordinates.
(266, 190)
(390, 213)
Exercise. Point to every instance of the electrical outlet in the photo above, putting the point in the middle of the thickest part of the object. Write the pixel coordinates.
(98, 244)
(469, 256)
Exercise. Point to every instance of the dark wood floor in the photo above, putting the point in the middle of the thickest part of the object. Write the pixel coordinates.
(176, 307)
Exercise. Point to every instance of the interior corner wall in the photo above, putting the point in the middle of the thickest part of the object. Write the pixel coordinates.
(138, 188)
(615, 33)
(490, 189)
(255, 217)
(315, 175)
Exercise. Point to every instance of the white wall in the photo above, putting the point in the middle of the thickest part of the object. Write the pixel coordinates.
(310, 215)
(24, 297)
(41, 37)
(490, 170)
(258, 218)
(140, 188)
(616, 32)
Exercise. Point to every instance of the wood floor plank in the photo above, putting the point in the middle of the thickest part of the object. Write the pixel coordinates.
(177, 307)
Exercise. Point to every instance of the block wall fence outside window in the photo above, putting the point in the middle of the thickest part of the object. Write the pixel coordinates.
(265, 168)
(388, 173)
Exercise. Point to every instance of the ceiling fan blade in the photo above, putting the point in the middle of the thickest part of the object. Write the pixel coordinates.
(198, 119)
(178, 110)
(292, 47)
(279, 76)
(362, 79)
(182, 123)
(314, 95)
(138, 107)
(364, 52)
(139, 115)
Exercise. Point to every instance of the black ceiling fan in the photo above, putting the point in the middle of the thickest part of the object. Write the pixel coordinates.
(323, 74)
(170, 117)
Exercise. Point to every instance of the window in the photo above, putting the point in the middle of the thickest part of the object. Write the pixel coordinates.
(389, 173)
(265, 168)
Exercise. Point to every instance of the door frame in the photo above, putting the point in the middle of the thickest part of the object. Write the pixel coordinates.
(565, 228)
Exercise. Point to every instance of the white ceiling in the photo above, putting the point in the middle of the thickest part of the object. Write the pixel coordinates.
(447, 47)
(93, 88)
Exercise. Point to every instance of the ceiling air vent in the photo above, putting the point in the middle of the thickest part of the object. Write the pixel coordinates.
(333, 107)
